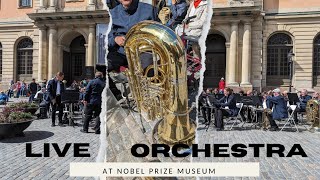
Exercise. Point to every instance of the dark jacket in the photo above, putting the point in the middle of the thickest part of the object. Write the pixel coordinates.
(52, 89)
(124, 19)
(33, 88)
(231, 102)
(279, 105)
(303, 101)
(94, 90)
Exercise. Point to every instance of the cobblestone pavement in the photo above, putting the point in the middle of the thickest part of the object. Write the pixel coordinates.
(276, 167)
(15, 165)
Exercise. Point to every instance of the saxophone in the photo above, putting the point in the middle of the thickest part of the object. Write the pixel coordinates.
(160, 89)
(312, 110)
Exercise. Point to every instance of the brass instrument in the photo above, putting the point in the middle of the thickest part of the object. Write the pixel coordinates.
(163, 95)
(312, 110)
(265, 120)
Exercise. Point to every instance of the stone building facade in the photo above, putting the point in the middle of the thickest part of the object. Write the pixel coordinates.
(40, 37)
(249, 42)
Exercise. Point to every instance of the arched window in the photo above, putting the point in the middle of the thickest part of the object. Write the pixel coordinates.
(24, 57)
(0, 58)
(316, 61)
(279, 45)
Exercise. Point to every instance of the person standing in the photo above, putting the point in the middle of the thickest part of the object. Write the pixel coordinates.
(222, 85)
(92, 102)
(55, 89)
(33, 88)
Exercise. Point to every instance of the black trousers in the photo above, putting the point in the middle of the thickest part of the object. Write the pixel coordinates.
(295, 114)
(57, 107)
(206, 113)
(218, 117)
(115, 61)
(92, 110)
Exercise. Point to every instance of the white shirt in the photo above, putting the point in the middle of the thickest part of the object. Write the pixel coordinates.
(192, 11)
(264, 105)
(58, 88)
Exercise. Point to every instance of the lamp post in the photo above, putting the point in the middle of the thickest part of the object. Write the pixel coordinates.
(290, 61)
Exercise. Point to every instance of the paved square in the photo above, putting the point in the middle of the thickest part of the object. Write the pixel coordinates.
(295, 167)
(15, 165)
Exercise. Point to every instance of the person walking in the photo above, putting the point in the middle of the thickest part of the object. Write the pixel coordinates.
(33, 88)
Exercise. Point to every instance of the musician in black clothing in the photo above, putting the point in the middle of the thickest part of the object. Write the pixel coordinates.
(55, 89)
(225, 107)
(204, 104)
(93, 101)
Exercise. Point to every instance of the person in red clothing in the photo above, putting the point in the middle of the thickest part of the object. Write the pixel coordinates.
(222, 85)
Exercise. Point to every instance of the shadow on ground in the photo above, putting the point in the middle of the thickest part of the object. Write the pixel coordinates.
(29, 136)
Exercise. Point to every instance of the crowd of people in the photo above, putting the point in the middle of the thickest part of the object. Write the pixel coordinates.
(275, 105)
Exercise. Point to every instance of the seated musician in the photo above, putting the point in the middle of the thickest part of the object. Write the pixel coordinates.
(226, 107)
(279, 108)
(304, 98)
(124, 17)
(39, 94)
(178, 10)
(203, 106)
(198, 8)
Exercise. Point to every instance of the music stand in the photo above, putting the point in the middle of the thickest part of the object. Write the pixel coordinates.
(293, 98)
(257, 100)
(246, 100)
(237, 96)
(70, 97)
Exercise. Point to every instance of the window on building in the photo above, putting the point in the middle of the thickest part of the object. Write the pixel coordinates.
(316, 61)
(25, 3)
(279, 45)
(0, 58)
(24, 56)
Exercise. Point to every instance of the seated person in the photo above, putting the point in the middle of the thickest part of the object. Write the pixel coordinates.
(226, 107)
(304, 98)
(42, 92)
(178, 10)
(279, 108)
(206, 112)
(124, 17)
(3, 98)
(194, 27)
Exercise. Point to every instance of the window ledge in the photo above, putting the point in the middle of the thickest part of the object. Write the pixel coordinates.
(67, 1)
(24, 7)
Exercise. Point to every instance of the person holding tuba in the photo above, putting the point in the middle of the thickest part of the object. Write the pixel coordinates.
(124, 16)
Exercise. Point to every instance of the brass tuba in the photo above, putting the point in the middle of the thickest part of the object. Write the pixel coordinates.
(160, 89)
(312, 110)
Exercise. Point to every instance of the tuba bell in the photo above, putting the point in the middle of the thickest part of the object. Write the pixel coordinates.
(312, 110)
(160, 89)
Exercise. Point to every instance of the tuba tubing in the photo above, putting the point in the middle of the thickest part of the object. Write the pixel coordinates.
(163, 95)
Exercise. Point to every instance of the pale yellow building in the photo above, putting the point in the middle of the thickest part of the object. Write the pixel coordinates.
(249, 42)
(40, 37)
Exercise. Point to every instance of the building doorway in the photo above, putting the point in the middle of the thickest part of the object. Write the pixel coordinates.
(215, 60)
(74, 60)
